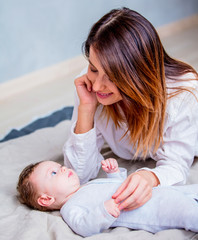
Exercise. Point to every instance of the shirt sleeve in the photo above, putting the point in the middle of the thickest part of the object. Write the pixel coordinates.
(122, 174)
(86, 221)
(82, 151)
(176, 155)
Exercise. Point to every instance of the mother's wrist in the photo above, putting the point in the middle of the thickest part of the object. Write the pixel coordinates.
(155, 179)
(87, 108)
(85, 121)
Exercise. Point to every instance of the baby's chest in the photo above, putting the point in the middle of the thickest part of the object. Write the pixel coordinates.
(94, 194)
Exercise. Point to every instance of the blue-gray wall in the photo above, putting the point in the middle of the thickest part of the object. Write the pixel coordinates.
(38, 33)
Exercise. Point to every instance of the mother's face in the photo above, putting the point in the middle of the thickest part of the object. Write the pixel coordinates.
(107, 92)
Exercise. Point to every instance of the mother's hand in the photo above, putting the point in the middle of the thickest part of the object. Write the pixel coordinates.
(84, 90)
(87, 105)
(136, 190)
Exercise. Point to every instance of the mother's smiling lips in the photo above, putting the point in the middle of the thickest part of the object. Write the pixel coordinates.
(103, 95)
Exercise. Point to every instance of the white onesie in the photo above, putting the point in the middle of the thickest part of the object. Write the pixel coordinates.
(169, 207)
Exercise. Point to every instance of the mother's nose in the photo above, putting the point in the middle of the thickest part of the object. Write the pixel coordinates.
(97, 84)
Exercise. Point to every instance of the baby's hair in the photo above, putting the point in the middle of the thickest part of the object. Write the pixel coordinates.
(27, 193)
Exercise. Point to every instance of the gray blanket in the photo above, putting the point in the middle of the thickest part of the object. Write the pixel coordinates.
(19, 222)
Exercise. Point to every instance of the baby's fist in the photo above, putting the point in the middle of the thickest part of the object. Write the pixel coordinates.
(110, 165)
(112, 208)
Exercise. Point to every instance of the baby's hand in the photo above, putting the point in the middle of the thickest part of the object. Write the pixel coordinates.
(110, 165)
(112, 208)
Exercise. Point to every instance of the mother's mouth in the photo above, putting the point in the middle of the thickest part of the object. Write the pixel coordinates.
(103, 95)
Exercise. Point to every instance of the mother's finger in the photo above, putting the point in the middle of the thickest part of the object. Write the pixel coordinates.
(88, 84)
(121, 189)
(127, 191)
(83, 81)
(137, 198)
(134, 206)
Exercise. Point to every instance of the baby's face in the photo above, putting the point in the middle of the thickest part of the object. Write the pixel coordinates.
(55, 180)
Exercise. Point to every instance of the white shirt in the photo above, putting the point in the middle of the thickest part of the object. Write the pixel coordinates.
(173, 158)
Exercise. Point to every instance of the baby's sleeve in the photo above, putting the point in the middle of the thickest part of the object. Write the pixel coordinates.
(122, 174)
(87, 221)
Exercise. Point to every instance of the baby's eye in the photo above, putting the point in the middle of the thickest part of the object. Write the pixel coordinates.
(53, 173)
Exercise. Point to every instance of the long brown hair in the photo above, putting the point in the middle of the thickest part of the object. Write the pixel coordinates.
(131, 54)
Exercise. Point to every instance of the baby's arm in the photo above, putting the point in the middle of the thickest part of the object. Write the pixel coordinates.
(110, 165)
(82, 218)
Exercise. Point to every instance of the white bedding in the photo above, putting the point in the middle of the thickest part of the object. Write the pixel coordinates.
(19, 222)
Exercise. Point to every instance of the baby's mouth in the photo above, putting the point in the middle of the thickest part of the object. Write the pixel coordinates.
(70, 174)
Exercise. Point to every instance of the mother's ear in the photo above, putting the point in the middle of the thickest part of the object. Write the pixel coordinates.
(45, 200)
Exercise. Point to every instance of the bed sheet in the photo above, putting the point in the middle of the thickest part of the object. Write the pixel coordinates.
(50, 120)
(19, 222)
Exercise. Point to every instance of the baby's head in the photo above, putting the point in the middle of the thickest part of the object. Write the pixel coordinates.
(46, 185)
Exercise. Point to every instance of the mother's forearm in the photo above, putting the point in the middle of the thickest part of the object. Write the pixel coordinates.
(85, 120)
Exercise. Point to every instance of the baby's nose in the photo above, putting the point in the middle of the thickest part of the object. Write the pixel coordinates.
(63, 169)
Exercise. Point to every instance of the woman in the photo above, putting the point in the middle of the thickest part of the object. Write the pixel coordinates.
(140, 101)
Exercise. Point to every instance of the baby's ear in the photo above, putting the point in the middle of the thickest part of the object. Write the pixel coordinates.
(45, 200)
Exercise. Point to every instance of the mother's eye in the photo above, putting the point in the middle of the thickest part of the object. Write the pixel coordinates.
(93, 70)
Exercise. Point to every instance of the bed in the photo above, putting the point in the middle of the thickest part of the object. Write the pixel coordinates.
(45, 143)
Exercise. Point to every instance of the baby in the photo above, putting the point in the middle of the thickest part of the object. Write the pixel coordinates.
(89, 209)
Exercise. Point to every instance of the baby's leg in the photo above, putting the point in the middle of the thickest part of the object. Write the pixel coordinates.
(179, 209)
(168, 208)
(190, 190)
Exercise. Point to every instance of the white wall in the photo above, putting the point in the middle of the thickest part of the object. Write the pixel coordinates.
(38, 33)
